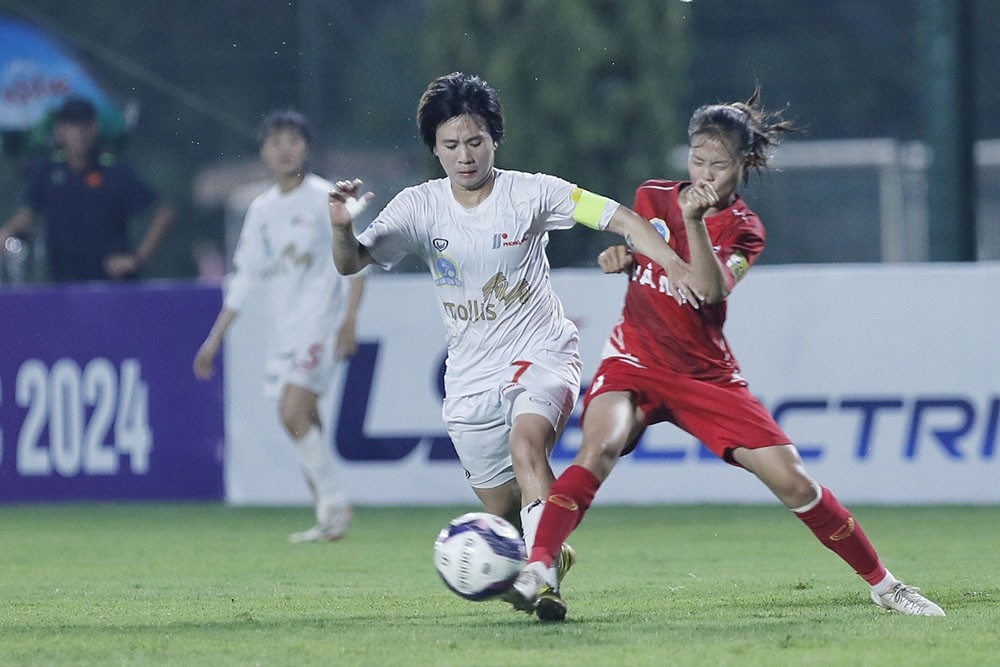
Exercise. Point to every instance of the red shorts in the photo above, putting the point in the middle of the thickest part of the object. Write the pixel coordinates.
(722, 416)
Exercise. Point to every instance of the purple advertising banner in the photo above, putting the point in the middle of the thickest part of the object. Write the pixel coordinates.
(97, 397)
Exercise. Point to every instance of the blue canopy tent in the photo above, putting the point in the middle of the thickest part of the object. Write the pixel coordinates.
(36, 74)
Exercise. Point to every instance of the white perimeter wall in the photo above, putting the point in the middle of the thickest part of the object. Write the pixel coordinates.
(888, 374)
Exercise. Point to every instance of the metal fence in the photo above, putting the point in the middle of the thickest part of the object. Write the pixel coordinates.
(860, 200)
(841, 201)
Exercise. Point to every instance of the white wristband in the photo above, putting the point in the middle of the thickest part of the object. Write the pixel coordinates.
(355, 206)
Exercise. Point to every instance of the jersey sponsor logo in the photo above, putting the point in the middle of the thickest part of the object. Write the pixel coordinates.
(447, 272)
(471, 311)
(304, 259)
(643, 275)
(499, 287)
(496, 289)
(504, 240)
(288, 260)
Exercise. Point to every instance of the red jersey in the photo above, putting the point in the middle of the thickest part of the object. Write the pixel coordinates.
(654, 331)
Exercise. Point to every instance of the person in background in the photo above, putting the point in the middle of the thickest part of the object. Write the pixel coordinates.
(513, 369)
(285, 246)
(87, 199)
(668, 360)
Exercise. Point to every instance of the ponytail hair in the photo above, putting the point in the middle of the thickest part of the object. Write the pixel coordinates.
(745, 126)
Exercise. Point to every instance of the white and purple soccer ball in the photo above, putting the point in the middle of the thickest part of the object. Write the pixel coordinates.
(479, 555)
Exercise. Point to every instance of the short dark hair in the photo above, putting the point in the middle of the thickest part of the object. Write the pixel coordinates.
(75, 110)
(454, 95)
(286, 119)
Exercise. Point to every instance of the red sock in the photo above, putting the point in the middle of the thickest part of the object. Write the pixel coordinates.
(568, 501)
(838, 531)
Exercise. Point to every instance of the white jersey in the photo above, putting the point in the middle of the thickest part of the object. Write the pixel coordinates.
(490, 271)
(287, 244)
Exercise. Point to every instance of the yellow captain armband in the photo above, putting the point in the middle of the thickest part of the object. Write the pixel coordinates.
(738, 264)
(589, 209)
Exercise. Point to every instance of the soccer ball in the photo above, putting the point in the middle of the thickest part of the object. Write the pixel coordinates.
(479, 555)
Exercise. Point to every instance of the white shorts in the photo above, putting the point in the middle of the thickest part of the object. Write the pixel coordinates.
(311, 367)
(479, 424)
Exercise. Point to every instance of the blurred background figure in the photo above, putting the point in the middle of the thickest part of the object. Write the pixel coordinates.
(87, 199)
(285, 246)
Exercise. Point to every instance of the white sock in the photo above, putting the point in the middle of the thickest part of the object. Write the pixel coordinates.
(316, 461)
(531, 515)
(888, 581)
(813, 503)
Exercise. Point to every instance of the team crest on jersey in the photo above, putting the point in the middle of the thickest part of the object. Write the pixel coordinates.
(447, 272)
(439, 244)
(265, 241)
(661, 228)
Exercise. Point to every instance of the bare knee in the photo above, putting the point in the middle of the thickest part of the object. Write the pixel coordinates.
(612, 423)
(531, 439)
(298, 411)
(780, 468)
(295, 420)
(797, 490)
(600, 456)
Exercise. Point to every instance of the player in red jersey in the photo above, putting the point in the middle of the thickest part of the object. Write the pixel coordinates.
(667, 359)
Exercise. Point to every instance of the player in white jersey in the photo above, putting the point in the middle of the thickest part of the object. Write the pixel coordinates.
(513, 368)
(285, 246)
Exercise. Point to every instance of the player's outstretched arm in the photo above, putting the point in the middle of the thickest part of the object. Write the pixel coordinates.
(643, 237)
(346, 203)
(599, 212)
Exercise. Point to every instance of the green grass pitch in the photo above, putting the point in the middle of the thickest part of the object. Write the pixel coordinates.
(207, 584)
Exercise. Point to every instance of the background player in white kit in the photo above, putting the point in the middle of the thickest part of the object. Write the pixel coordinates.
(513, 368)
(285, 245)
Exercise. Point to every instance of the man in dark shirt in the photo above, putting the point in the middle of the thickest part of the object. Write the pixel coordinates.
(87, 199)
